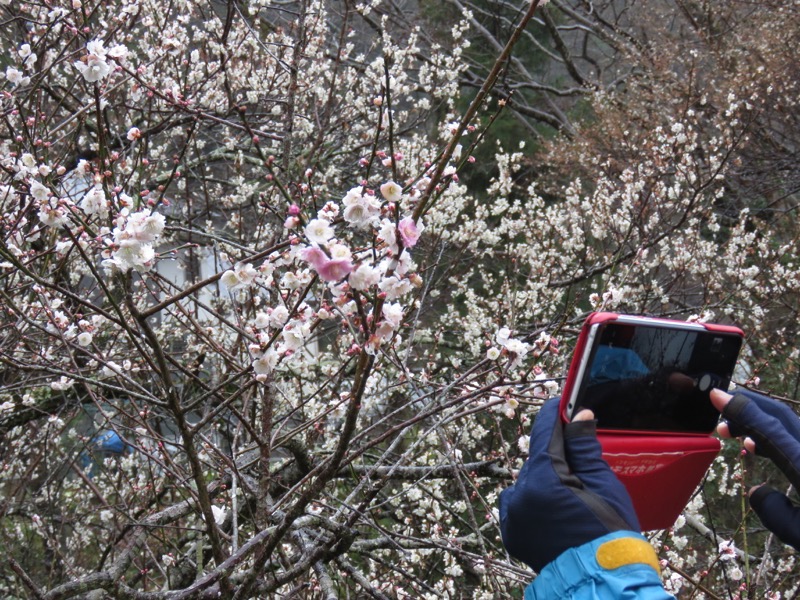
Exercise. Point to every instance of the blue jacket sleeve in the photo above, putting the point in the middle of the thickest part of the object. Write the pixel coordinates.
(618, 566)
(778, 514)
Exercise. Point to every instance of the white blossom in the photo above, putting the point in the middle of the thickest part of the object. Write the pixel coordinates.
(95, 202)
(278, 316)
(94, 65)
(241, 276)
(261, 320)
(134, 237)
(52, 213)
(360, 210)
(391, 191)
(364, 277)
(319, 231)
(219, 514)
(393, 313)
(93, 68)
(16, 77)
(39, 191)
(394, 287)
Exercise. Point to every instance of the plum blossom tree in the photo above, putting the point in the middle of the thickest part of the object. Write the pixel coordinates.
(265, 335)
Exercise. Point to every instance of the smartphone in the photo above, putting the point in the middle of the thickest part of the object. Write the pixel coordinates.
(647, 381)
(646, 374)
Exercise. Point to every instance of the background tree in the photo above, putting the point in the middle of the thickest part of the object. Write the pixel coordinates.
(283, 283)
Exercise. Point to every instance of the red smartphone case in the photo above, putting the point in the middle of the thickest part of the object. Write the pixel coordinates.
(659, 470)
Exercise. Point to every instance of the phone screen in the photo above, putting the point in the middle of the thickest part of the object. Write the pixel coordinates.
(650, 378)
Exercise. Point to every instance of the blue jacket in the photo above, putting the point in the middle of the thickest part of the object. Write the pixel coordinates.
(618, 566)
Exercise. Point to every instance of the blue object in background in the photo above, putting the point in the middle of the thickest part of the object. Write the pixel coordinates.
(104, 444)
(109, 441)
(616, 364)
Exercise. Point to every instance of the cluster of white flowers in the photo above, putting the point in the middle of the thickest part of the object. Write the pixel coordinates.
(516, 349)
(545, 387)
(383, 272)
(242, 275)
(609, 299)
(95, 202)
(17, 77)
(94, 65)
(279, 335)
(360, 209)
(53, 212)
(341, 282)
(134, 237)
(344, 268)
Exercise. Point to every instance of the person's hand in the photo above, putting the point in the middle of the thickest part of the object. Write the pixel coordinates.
(566, 495)
(768, 428)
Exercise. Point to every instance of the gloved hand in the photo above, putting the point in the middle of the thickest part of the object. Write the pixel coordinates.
(566, 495)
(772, 429)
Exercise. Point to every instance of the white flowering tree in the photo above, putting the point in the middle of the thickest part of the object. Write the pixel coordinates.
(265, 333)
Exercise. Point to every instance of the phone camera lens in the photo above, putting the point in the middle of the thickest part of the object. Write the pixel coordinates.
(707, 382)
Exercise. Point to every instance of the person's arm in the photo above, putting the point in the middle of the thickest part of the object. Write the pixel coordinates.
(571, 520)
(770, 429)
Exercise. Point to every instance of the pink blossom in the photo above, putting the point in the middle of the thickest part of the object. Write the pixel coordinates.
(334, 270)
(409, 232)
(314, 256)
(327, 269)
